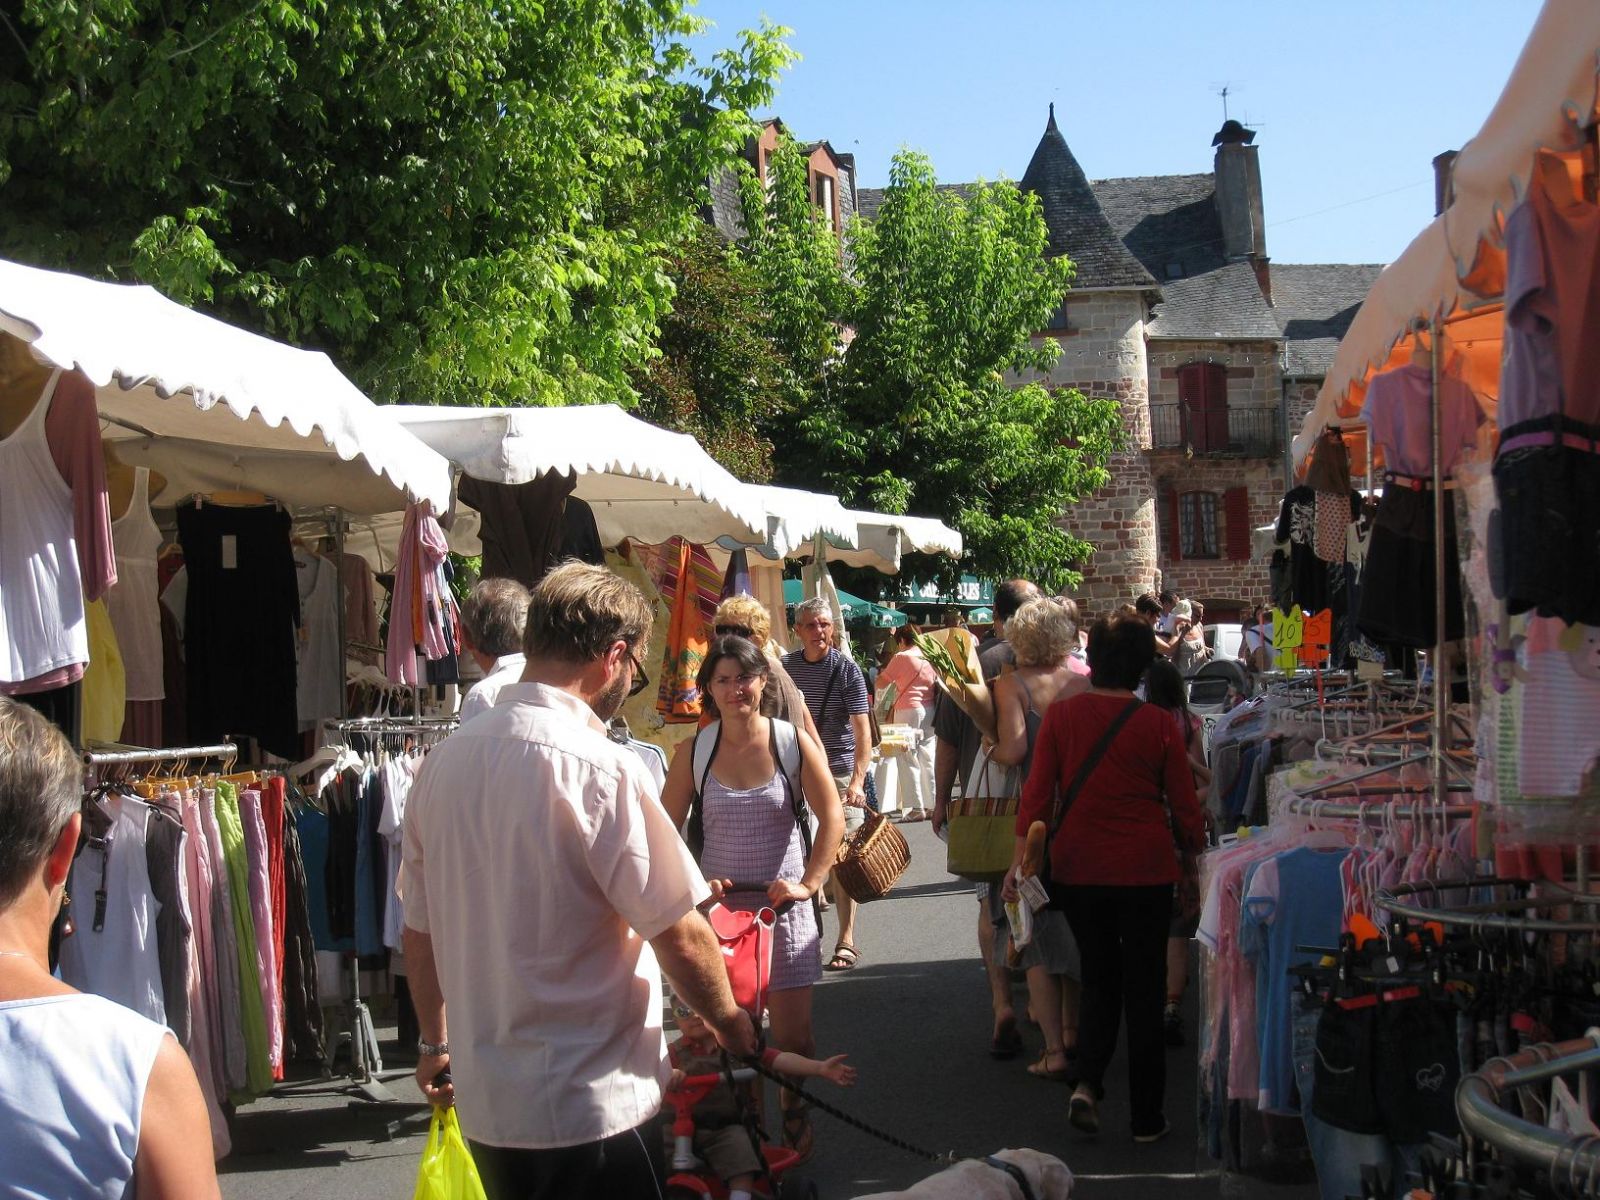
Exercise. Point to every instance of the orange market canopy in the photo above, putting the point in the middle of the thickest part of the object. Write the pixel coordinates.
(1454, 270)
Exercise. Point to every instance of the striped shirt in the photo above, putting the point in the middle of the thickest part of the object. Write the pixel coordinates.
(848, 695)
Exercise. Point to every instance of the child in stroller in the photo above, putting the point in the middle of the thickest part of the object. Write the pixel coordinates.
(710, 1120)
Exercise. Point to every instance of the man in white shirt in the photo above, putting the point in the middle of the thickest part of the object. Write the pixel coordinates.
(492, 621)
(1167, 622)
(543, 885)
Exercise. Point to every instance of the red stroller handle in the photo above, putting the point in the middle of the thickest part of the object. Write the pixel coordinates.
(745, 887)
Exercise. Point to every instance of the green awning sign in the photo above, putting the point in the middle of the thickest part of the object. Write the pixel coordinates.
(970, 592)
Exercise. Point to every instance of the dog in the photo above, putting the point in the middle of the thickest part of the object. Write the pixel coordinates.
(974, 1179)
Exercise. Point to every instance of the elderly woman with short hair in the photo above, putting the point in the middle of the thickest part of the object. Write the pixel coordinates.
(95, 1100)
(1042, 635)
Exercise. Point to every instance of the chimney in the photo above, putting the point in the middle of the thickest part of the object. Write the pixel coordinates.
(1238, 176)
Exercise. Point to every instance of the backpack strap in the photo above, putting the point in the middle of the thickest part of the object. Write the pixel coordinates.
(784, 740)
(705, 749)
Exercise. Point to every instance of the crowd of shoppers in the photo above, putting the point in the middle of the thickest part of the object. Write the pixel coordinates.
(532, 840)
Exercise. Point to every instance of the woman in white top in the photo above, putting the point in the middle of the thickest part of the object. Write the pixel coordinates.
(96, 1101)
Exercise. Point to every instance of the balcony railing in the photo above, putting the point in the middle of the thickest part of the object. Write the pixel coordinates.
(1217, 433)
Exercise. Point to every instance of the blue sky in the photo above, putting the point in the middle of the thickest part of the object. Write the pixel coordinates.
(1351, 99)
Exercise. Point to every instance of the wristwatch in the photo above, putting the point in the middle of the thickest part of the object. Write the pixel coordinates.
(429, 1050)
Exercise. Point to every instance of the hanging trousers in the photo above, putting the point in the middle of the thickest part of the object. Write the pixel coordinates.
(1122, 939)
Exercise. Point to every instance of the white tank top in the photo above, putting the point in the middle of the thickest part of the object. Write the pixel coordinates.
(133, 603)
(42, 626)
(120, 960)
(73, 1074)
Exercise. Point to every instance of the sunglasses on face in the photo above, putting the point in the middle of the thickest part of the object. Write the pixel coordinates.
(743, 631)
(640, 679)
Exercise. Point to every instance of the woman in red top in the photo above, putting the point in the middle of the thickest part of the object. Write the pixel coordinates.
(1113, 863)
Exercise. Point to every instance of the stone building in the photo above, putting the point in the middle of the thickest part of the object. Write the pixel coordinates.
(1212, 350)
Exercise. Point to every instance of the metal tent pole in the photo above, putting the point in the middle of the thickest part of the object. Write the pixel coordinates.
(1441, 693)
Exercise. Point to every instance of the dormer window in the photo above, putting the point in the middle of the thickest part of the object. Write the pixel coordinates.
(823, 191)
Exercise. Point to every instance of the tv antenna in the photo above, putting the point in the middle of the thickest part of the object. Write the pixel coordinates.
(1224, 90)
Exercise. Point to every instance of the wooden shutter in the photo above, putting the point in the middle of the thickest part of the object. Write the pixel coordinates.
(1191, 402)
(1211, 428)
(1236, 517)
(1169, 506)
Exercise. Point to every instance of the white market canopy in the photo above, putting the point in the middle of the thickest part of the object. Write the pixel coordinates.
(214, 408)
(1454, 270)
(642, 482)
(795, 518)
(884, 537)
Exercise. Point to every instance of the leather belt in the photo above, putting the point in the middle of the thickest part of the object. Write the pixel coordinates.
(1413, 483)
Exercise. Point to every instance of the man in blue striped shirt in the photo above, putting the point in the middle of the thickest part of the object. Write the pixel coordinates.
(836, 696)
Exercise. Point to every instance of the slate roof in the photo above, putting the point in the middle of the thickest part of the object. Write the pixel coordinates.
(1164, 231)
(725, 213)
(1315, 303)
(1074, 218)
(869, 200)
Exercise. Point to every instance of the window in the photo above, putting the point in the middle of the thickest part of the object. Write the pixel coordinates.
(822, 193)
(1197, 525)
(1061, 320)
(1203, 399)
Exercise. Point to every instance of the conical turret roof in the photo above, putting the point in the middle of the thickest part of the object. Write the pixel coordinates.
(1078, 227)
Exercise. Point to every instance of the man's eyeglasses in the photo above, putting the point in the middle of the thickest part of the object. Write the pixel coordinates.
(817, 624)
(743, 631)
(640, 679)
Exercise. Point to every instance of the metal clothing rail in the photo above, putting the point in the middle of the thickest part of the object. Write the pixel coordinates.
(1571, 1165)
(1305, 806)
(1495, 914)
(125, 754)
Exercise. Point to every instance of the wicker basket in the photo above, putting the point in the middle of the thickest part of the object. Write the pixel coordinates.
(871, 861)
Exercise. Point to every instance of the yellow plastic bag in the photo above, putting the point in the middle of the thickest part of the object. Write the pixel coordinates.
(447, 1171)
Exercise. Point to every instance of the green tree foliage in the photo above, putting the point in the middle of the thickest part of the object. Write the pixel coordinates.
(718, 376)
(931, 404)
(460, 201)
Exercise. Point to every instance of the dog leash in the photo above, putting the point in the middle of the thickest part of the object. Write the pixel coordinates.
(948, 1158)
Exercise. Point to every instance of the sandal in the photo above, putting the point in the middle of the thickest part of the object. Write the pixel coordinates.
(845, 957)
(911, 817)
(1043, 1070)
(797, 1132)
(1006, 1042)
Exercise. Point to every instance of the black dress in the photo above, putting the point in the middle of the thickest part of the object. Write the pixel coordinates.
(240, 621)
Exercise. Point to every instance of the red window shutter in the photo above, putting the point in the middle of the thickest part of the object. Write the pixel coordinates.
(1236, 514)
(1212, 427)
(1169, 504)
(1191, 402)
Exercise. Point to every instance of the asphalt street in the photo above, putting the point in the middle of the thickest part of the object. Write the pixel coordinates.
(914, 1018)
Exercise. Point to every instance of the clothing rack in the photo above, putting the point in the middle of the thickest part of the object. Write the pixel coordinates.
(366, 1060)
(1571, 1165)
